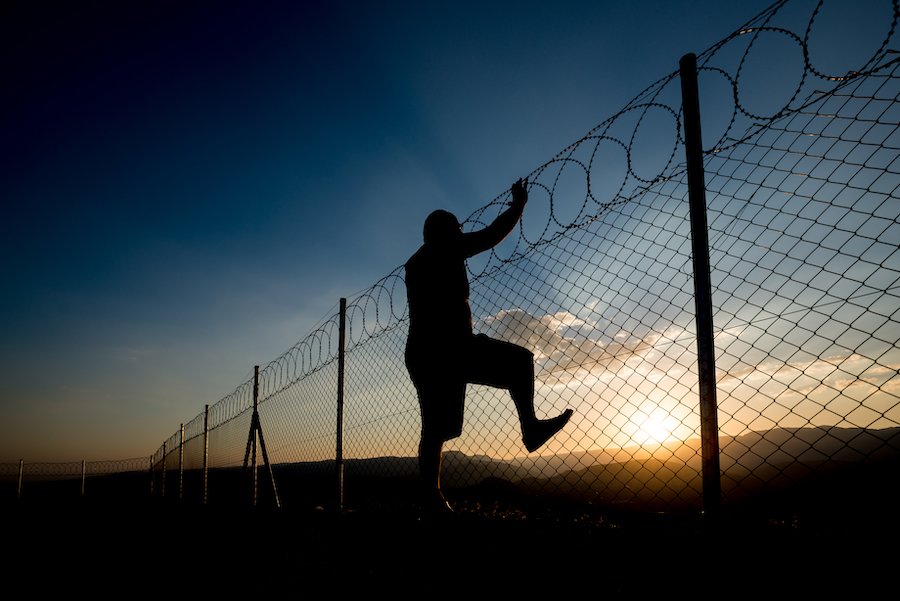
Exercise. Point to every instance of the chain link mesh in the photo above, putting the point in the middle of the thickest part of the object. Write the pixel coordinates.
(801, 149)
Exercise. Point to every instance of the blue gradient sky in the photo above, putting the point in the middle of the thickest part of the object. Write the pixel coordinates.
(189, 187)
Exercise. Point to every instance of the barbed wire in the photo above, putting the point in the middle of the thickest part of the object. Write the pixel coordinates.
(802, 159)
(588, 213)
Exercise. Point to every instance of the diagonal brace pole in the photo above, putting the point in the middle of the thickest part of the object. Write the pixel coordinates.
(256, 431)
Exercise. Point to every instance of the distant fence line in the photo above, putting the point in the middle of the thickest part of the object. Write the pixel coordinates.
(801, 161)
(76, 477)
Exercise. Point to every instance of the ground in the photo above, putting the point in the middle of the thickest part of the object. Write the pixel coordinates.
(176, 550)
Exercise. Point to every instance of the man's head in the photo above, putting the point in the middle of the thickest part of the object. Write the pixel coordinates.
(441, 226)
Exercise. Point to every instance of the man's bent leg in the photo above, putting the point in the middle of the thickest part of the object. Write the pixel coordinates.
(505, 365)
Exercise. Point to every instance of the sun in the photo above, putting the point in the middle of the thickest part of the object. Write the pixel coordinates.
(656, 428)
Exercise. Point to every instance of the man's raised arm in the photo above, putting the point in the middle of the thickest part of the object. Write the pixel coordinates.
(490, 236)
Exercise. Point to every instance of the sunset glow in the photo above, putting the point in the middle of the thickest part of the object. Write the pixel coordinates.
(656, 428)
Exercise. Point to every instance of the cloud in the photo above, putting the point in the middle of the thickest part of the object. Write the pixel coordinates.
(837, 370)
(564, 342)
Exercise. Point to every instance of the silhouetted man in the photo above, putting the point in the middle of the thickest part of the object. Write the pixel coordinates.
(442, 353)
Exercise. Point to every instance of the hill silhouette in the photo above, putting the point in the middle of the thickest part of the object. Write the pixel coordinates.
(626, 525)
(777, 474)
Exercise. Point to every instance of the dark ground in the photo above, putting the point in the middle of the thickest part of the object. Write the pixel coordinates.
(179, 551)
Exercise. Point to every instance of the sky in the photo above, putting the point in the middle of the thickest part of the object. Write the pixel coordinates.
(190, 187)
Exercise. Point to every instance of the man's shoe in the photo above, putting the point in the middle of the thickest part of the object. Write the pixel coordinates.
(434, 505)
(543, 430)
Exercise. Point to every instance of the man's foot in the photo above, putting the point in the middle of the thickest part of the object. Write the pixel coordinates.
(434, 505)
(543, 430)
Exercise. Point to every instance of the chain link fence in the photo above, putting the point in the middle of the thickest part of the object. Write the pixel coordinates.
(800, 150)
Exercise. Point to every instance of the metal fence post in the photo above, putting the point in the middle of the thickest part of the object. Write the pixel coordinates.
(162, 491)
(256, 430)
(82, 477)
(21, 474)
(205, 453)
(181, 463)
(706, 362)
(339, 448)
(253, 430)
(151, 475)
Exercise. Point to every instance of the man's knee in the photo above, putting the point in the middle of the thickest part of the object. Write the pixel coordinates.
(522, 358)
(508, 352)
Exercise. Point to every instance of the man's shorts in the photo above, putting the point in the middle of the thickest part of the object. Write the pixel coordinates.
(440, 373)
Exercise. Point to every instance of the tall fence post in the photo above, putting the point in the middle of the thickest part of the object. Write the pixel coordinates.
(82, 477)
(151, 475)
(162, 486)
(181, 463)
(21, 475)
(205, 453)
(706, 362)
(253, 432)
(339, 449)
